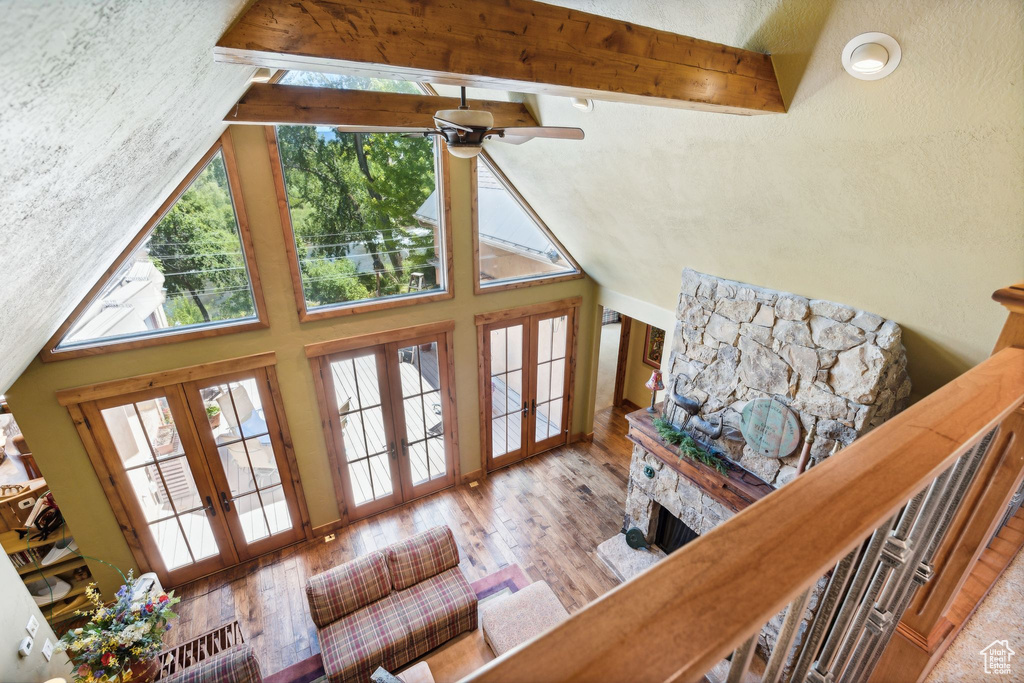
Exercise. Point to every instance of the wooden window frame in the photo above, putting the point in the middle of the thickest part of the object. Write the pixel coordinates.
(479, 288)
(443, 186)
(319, 352)
(76, 398)
(51, 352)
(482, 320)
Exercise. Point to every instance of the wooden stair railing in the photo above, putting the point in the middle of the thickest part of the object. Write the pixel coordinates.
(681, 617)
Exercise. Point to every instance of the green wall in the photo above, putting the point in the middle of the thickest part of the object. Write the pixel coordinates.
(63, 460)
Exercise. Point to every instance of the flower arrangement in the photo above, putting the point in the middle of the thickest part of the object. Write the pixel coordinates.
(119, 637)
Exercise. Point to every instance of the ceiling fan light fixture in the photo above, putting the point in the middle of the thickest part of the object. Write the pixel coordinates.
(464, 151)
(473, 118)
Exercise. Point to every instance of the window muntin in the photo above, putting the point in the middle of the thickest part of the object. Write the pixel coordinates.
(513, 246)
(189, 273)
(365, 215)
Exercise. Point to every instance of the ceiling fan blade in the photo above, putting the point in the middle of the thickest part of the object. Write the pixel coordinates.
(449, 124)
(554, 132)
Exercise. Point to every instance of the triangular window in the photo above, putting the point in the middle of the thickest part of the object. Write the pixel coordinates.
(316, 79)
(188, 273)
(513, 246)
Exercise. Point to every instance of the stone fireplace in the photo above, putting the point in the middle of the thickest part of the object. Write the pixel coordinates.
(841, 370)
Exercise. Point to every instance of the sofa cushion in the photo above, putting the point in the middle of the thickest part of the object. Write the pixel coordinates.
(354, 646)
(437, 610)
(235, 665)
(396, 630)
(421, 556)
(347, 587)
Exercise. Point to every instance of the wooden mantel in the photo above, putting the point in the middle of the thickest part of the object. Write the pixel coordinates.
(735, 491)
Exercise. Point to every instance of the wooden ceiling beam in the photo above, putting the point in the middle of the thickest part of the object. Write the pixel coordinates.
(517, 45)
(268, 104)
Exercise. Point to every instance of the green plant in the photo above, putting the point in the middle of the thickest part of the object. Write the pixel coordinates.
(687, 446)
(212, 410)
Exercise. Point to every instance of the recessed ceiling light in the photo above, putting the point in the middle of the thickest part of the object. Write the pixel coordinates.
(871, 56)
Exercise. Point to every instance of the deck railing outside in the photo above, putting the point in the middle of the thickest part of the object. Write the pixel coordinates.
(869, 519)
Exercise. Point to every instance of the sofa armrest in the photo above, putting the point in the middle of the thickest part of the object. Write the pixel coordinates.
(235, 665)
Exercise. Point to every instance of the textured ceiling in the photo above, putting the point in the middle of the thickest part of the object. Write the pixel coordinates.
(105, 106)
(902, 196)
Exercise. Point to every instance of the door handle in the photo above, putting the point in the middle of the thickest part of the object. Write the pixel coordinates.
(405, 447)
(224, 502)
(526, 409)
(533, 406)
(210, 509)
(391, 447)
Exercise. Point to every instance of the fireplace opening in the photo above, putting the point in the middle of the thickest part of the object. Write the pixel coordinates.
(671, 534)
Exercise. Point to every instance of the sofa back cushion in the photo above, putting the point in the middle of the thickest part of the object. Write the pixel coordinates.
(347, 587)
(421, 556)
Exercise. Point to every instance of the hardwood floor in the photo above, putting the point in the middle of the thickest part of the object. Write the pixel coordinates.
(547, 513)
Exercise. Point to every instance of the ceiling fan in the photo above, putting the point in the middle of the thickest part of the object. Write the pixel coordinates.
(465, 129)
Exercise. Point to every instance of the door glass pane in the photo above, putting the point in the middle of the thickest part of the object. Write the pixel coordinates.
(147, 443)
(250, 514)
(424, 420)
(506, 367)
(276, 506)
(551, 373)
(361, 417)
(238, 421)
(199, 534)
(171, 543)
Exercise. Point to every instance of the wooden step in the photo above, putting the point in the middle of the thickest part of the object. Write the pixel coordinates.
(1005, 548)
(1016, 522)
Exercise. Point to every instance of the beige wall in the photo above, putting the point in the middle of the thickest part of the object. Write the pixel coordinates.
(901, 196)
(638, 372)
(62, 458)
(16, 605)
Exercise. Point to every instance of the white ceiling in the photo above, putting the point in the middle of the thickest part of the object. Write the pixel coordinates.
(900, 196)
(106, 106)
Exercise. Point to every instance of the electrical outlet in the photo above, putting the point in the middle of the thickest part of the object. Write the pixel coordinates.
(25, 646)
(33, 625)
(27, 503)
(328, 538)
(47, 649)
(473, 484)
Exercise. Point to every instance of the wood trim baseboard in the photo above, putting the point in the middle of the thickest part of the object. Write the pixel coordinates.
(579, 437)
(128, 385)
(475, 475)
(330, 527)
(626, 403)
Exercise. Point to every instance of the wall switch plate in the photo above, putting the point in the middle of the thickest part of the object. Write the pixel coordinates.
(328, 538)
(33, 625)
(47, 649)
(25, 647)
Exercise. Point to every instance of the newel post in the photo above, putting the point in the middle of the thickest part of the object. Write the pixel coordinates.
(943, 605)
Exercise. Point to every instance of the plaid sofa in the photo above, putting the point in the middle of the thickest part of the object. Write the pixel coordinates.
(235, 665)
(390, 607)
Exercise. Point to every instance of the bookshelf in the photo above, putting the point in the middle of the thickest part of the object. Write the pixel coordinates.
(26, 555)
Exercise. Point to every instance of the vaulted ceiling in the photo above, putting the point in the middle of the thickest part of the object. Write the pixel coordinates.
(900, 196)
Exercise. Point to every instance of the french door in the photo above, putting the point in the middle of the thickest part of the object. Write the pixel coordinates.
(525, 361)
(391, 415)
(200, 470)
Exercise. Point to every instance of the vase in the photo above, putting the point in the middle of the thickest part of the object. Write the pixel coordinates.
(144, 671)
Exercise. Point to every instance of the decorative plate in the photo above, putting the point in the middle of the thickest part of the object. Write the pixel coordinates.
(770, 428)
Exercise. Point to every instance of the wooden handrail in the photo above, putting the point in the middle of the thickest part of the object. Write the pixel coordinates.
(682, 616)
